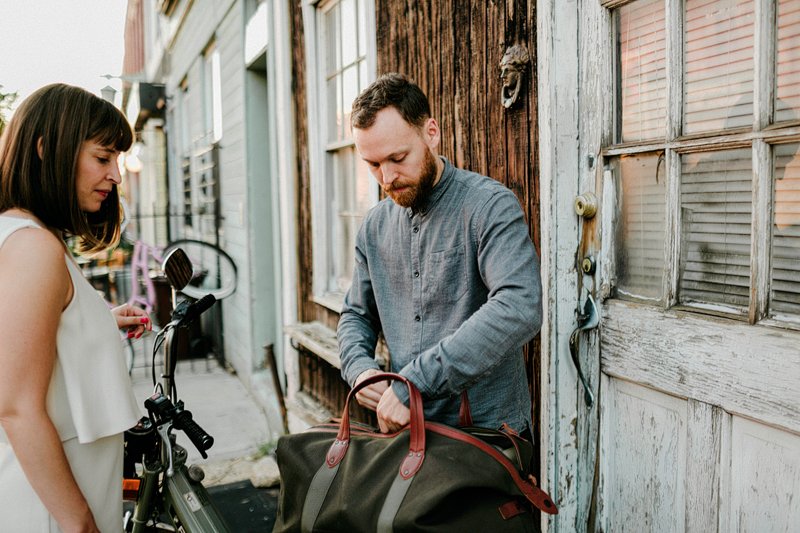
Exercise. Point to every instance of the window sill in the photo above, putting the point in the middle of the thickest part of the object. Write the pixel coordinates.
(318, 339)
(330, 300)
(321, 341)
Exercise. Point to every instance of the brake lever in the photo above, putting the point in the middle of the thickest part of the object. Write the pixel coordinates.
(163, 432)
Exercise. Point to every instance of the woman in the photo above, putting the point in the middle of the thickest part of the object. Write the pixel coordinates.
(65, 395)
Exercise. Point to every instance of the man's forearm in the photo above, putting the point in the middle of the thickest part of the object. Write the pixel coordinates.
(357, 341)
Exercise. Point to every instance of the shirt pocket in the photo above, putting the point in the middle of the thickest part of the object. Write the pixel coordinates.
(448, 275)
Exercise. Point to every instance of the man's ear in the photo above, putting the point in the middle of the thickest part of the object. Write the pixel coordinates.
(40, 147)
(431, 133)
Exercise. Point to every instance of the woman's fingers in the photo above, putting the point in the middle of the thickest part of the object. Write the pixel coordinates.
(132, 318)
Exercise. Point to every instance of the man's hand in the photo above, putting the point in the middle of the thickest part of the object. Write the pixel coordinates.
(393, 415)
(370, 396)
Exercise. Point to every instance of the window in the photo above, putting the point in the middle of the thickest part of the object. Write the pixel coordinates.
(342, 189)
(707, 156)
(212, 93)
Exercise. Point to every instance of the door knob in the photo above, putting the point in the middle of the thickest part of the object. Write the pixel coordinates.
(586, 205)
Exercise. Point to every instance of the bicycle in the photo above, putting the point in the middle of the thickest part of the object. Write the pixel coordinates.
(155, 475)
(213, 272)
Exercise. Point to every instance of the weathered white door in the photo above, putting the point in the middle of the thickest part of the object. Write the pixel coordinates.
(699, 349)
(683, 118)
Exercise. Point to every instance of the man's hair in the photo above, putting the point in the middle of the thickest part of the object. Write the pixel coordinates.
(391, 90)
(62, 118)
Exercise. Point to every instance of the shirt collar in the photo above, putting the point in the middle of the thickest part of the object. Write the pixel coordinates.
(438, 190)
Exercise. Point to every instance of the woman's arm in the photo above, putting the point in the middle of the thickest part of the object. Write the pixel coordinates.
(36, 287)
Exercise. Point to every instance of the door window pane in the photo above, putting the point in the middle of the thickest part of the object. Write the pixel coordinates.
(718, 90)
(785, 293)
(641, 232)
(787, 61)
(642, 67)
(716, 199)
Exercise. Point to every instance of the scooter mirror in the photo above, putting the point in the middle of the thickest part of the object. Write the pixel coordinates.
(178, 268)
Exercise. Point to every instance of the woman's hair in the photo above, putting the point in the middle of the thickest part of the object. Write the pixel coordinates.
(61, 118)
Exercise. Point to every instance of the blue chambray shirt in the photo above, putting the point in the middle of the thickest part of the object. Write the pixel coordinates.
(455, 288)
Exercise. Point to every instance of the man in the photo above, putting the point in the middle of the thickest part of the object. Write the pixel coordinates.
(444, 267)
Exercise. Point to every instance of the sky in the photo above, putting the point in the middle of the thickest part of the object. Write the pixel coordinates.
(69, 41)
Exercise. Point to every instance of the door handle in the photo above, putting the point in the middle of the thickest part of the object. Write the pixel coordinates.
(587, 320)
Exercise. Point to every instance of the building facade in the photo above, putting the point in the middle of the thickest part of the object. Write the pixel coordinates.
(654, 148)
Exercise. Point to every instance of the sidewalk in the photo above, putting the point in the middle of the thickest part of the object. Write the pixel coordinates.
(222, 406)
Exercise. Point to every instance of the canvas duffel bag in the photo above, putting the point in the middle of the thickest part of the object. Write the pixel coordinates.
(426, 477)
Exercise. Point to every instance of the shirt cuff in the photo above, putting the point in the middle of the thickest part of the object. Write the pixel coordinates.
(401, 391)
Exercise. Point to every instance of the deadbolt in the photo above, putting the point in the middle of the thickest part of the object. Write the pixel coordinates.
(588, 265)
(586, 205)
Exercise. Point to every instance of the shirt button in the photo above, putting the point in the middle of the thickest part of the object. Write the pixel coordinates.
(416, 229)
(416, 274)
(417, 318)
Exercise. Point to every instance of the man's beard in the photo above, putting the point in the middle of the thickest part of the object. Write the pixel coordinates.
(414, 196)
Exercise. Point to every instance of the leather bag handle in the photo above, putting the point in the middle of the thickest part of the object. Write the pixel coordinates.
(416, 449)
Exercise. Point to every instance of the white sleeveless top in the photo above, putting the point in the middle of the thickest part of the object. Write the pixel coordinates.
(90, 393)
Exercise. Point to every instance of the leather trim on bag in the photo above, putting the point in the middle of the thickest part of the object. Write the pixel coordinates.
(511, 509)
(534, 494)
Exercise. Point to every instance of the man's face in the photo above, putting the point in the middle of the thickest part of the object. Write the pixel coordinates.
(401, 157)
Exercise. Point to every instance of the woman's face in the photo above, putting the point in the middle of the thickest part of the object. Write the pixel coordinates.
(98, 173)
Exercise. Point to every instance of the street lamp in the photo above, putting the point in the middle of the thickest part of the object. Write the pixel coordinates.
(108, 93)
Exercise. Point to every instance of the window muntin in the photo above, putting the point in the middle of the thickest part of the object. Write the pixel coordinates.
(785, 253)
(787, 61)
(642, 70)
(726, 175)
(348, 189)
(718, 77)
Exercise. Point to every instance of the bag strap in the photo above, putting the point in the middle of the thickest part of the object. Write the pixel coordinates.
(416, 447)
(464, 412)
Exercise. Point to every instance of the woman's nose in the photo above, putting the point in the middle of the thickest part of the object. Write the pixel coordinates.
(114, 174)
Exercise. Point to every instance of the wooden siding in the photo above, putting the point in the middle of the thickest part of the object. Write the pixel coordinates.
(452, 50)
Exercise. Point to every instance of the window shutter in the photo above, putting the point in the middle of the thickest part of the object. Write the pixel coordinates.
(785, 293)
(719, 65)
(716, 200)
(641, 234)
(642, 67)
(787, 61)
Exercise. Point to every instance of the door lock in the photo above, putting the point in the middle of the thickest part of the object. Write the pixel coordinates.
(588, 265)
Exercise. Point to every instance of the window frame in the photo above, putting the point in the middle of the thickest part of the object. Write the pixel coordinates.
(322, 216)
(760, 138)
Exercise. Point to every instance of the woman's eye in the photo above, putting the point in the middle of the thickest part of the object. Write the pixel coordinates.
(103, 160)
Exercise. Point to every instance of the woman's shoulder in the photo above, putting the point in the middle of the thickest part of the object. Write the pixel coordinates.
(32, 245)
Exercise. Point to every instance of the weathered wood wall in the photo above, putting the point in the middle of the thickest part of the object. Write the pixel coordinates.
(452, 50)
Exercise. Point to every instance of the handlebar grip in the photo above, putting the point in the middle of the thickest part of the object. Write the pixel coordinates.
(198, 308)
(201, 440)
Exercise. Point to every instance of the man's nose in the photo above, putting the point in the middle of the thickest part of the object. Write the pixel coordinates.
(388, 174)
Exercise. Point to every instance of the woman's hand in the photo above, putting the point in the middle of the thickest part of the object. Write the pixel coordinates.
(133, 318)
